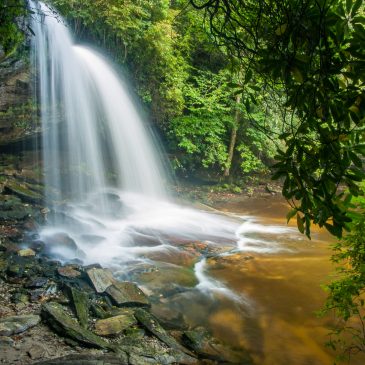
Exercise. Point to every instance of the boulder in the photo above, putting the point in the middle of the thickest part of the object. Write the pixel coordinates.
(17, 324)
(38, 282)
(127, 294)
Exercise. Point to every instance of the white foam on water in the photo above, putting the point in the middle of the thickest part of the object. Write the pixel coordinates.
(211, 286)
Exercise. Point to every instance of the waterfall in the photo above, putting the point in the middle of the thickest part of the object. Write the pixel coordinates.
(104, 176)
(93, 136)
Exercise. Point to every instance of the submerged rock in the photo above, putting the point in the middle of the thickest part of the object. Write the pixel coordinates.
(151, 324)
(169, 318)
(62, 245)
(207, 346)
(100, 278)
(66, 326)
(114, 326)
(127, 294)
(17, 324)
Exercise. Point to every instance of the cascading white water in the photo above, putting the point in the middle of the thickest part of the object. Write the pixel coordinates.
(91, 127)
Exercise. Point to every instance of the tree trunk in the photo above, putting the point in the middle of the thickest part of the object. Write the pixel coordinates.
(233, 139)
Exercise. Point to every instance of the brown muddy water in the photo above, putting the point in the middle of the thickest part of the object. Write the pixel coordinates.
(279, 294)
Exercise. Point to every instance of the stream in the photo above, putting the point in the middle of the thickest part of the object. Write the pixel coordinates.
(264, 298)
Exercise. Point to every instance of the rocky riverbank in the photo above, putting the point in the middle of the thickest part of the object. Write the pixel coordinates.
(68, 313)
(74, 314)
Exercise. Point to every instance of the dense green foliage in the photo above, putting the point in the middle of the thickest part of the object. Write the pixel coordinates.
(182, 77)
(346, 292)
(10, 34)
(315, 51)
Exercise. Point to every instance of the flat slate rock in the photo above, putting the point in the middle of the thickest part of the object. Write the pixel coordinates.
(127, 294)
(85, 360)
(100, 278)
(68, 272)
(17, 324)
(66, 326)
(114, 326)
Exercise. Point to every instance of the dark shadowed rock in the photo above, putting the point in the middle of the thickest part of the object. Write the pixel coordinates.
(66, 326)
(98, 311)
(38, 282)
(17, 324)
(127, 294)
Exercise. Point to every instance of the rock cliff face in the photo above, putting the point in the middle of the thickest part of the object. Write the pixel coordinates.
(18, 111)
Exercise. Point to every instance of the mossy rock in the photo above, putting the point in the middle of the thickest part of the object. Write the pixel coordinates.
(57, 317)
(23, 191)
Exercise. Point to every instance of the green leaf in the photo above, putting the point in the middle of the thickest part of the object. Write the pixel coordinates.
(281, 29)
(298, 77)
(355, 159)
(354, 109)
(248, 76)
(356, 7)
(300, 223)
(291, 214)
(348, 5)
(335, 230)
(307, 226)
